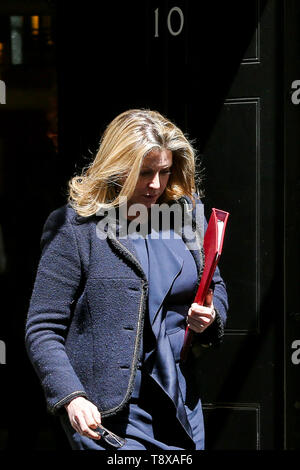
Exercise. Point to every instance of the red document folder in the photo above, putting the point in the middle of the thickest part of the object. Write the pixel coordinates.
(213, 243)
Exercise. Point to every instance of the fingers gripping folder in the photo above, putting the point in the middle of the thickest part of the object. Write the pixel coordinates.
(212, 245)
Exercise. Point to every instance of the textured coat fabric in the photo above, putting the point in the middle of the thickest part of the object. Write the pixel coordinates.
(151, 421)
(86, 314)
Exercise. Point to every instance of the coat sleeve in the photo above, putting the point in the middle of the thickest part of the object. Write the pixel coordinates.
(57, 279)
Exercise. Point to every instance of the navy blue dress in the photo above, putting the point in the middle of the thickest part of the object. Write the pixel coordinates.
(159, 414)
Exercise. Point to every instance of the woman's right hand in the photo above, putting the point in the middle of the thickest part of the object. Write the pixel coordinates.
(84, 417)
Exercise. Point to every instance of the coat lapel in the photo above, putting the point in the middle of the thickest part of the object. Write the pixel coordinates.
(126, 249)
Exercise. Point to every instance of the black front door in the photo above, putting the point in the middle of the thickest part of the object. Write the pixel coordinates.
(215, 68)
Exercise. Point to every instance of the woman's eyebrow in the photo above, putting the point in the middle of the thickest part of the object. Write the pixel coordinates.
(150, 168)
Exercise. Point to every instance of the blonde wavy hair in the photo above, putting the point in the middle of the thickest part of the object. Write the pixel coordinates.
(114, 172)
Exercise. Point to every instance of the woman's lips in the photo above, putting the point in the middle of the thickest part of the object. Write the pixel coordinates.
(149, 197)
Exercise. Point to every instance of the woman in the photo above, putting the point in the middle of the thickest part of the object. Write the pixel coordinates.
(108, 312)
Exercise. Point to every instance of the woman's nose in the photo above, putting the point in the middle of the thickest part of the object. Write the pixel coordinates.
(155, 182)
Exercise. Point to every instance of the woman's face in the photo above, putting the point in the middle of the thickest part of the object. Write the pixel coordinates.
(153, 178)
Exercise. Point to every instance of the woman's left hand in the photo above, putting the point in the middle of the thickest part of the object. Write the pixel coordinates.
(201, 316)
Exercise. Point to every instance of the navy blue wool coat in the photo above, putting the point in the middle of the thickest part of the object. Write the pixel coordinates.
(87, 309)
